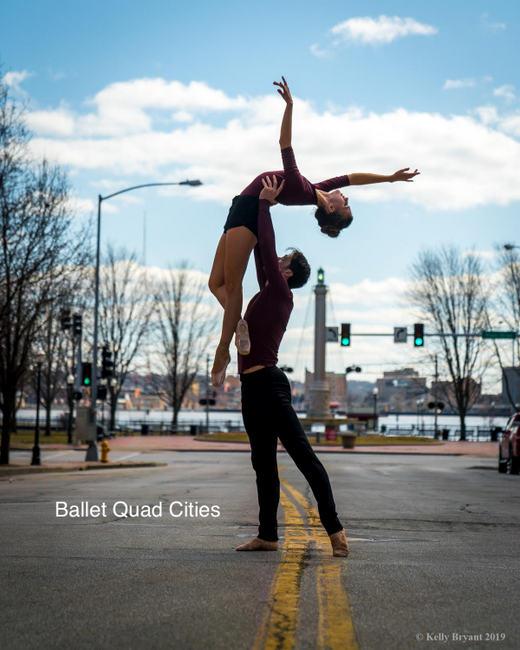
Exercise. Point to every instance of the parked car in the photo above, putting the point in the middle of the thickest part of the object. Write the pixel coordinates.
(509, 447)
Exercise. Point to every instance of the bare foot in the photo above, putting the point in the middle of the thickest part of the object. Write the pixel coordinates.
(258, 544)
(339, 543)
(222, 359)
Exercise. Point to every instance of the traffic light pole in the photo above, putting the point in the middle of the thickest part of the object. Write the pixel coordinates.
(92, 451)
(436, 410)
(207, 393)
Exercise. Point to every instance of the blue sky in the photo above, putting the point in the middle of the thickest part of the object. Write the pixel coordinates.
(111, 95)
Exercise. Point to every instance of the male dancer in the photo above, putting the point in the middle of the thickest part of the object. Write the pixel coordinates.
(266, 393)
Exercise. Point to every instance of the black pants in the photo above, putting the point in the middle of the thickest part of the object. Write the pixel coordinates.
(268, 415)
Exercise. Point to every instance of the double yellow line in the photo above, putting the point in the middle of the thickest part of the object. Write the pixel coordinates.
(334, 626)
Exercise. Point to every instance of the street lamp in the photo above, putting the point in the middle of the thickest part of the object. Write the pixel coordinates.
(375, 393)
(70, 396)
(92, 449)
(39, 358)
(510, 247)
(419, 403)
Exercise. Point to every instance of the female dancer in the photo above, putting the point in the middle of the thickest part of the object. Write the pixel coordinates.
(240, 230)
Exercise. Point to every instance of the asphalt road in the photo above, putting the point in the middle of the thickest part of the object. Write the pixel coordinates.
(434, 554)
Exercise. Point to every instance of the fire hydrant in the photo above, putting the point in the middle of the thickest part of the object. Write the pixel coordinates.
(104, 451)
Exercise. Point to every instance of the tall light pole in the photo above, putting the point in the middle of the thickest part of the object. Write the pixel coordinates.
(92, 448)
(375, 393)
(510, 247)
(36, 447)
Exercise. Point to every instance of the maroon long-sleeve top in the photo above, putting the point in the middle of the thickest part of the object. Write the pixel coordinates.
(268, 312)
(297, 190)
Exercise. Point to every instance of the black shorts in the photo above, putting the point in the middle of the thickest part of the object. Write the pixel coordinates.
(243, 212)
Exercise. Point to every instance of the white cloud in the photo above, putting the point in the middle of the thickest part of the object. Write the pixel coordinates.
(78, 205)
(492, 25)
(455, 84)
(123, 108)
(317, 51)
(58, 122)
(182, 116)
(15, 78)
(506, 92)
(487, 114)
(381, 30)
(511, 124)
(464, 162)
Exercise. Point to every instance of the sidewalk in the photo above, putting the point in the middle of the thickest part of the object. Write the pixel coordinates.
(188, 443)
(17, 468)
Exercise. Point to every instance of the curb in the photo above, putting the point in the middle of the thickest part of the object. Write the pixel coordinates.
(13, 470)
(333, 451)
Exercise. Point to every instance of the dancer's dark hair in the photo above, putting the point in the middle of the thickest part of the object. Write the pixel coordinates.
(331, 223)
(300, 269)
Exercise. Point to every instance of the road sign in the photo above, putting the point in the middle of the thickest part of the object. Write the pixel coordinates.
(331, 334)
(490, 334)
(400, 334)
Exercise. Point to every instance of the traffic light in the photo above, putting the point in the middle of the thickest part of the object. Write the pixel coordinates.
(65, 319)
(77, 324)
(107, 365)
(102, 392)
(321, 276)
(418, 335)
(345, 334)
(86, 373)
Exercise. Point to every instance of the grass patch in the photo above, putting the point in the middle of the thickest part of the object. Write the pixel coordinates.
(25, 438)
(373, 439)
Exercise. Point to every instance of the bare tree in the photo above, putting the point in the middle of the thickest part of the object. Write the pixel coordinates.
(506, 309)
(37, 245)
(185, 326)
(125, 311)
(56, 345)
(451, 295)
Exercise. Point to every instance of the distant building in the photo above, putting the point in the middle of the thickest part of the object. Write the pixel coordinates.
(400, 389)
(511, 385)
(443, 391)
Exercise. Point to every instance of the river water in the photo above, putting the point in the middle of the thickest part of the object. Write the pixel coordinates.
(233, 419)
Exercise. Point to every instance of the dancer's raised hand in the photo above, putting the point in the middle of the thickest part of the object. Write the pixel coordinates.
(284, 90)
(404, 175)
(271, 189)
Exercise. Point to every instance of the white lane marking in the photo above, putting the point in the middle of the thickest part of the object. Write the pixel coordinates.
(127, 456)
(62, 453)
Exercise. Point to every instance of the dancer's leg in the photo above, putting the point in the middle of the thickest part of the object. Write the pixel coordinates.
(256, 409)
(240, 241)
(295, 441)
(216, 277)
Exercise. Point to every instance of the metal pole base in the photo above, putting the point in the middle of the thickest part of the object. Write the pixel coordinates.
(92, 451)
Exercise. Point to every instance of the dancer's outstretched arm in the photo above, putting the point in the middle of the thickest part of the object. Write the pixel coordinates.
(361, 178)
(286, 128)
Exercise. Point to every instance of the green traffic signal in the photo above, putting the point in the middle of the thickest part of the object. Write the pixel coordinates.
(345, 334)
(86, 373)
(418, 335)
